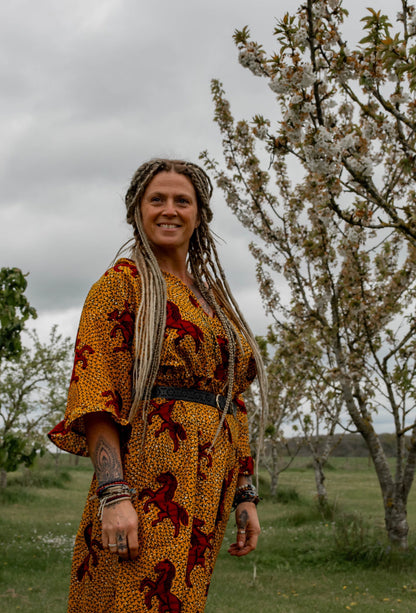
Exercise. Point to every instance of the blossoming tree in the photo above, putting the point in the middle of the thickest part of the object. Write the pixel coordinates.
(329, 193)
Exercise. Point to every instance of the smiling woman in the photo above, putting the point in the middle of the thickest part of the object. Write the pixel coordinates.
(162, 357)
(169, 211)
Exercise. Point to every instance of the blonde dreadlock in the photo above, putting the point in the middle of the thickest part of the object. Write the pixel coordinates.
(208, 275)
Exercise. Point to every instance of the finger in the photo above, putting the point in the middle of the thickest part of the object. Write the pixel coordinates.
(122, 546)
(241, 537)
(235, 550)
(133, 544)
(109, 542)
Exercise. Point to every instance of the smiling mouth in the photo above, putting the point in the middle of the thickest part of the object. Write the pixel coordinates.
(167, 225)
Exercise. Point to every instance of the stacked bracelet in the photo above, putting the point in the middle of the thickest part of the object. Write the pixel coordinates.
(110, 493)
(246, 493)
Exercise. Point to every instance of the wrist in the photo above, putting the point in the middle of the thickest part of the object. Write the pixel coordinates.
(245, 493)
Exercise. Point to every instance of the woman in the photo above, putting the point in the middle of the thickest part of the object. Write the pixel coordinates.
(161, 358)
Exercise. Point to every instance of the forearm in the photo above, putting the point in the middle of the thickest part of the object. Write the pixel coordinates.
(244, 480)
(103, 441)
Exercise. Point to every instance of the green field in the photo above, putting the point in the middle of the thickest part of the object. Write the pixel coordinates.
(305, 562)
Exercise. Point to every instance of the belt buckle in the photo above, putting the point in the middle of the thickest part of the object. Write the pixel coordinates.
(217, 402)
(232, 409)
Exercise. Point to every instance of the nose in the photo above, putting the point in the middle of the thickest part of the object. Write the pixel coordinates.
(170, 207)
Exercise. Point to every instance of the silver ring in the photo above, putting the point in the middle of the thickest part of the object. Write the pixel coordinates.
(112, 544)
(241, 531)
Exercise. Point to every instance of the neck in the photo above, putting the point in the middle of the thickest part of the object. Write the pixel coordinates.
(175, 266)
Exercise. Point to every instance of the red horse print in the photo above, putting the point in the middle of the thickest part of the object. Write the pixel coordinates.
(194, 302)
(163, 500)
(220, 372)
(124, 264)
(241, 404)
(125, 325)
(80, 357)
(83, 568)
(204, 454)
(200, 542)
(168, 602)
(114, 401)
(246, 465)
(225, 485)
(174, 428)
(183, 327)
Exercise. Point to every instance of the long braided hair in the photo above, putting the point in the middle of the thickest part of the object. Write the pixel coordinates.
(208, 275)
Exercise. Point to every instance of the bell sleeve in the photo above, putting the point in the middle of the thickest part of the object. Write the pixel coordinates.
(103, 362)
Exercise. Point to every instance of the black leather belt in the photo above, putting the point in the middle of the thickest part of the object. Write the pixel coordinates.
(191, 394)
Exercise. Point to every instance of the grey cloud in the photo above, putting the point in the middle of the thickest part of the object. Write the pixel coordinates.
(90, 89)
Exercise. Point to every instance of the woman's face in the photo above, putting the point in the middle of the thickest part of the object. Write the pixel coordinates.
(169, 210)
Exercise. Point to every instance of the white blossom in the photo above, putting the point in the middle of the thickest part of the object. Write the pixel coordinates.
(400, 98)
(251, 59)
(333, 4)
(300, 38)
(279, 86)
(347, 142)
(262, 133)
(308, 77)
(362, 165)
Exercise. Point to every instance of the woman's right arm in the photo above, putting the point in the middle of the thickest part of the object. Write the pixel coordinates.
(119, 521)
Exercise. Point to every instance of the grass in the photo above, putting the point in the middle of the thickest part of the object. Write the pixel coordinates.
(305, 562)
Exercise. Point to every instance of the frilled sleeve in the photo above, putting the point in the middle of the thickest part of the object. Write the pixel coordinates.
(101, 376)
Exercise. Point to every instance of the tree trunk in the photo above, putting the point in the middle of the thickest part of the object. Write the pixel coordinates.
(395, 516)
(273, 470)
(320, 482)
(393, 492)
(3, 479)
(274, 473)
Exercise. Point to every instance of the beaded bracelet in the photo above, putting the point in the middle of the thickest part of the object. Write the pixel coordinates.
(111, 492)
(245, 493)
(110, 487)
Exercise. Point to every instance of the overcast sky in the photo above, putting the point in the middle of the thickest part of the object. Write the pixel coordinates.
(90, 90)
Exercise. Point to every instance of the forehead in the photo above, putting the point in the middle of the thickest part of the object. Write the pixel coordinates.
(171, 181)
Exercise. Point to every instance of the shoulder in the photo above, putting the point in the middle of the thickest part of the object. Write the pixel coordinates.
(119, 283)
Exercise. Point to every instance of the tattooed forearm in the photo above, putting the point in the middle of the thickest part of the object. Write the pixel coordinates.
(106, 462)
(242, 519)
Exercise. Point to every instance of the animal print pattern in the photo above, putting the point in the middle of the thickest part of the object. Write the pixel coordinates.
(184, 487)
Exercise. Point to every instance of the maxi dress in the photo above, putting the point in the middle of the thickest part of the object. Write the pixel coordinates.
(183, 488)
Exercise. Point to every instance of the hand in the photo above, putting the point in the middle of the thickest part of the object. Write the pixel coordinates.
(248, 529)
(119, 530)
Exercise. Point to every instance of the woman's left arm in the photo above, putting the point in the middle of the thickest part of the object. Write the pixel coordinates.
(248, 525)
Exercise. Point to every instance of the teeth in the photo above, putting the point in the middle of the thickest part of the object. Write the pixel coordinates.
(167, 225)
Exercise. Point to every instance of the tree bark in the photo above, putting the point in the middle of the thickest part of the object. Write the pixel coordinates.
(274, 473)
(393, 492)
(395, 515)
(320, 482)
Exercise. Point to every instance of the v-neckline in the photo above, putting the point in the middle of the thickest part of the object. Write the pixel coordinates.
(177, 279)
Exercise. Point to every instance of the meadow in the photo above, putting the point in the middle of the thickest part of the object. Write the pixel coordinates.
(307, 560)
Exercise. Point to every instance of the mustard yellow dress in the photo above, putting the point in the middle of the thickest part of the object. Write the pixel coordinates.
(184, 490)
